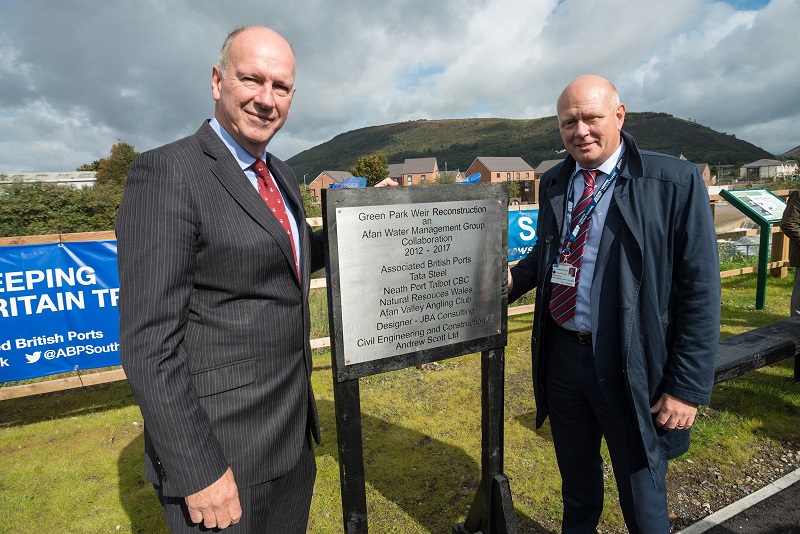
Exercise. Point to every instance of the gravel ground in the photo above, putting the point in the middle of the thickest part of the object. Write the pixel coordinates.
(694, 493)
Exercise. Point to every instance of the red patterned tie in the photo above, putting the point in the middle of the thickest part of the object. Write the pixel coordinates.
(269, 192)
(564, 297)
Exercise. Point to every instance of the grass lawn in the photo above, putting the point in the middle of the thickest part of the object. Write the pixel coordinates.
(72, 461)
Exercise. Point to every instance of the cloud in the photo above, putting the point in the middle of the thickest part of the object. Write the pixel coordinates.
(737, 73)
(80, 75)
(45, 138)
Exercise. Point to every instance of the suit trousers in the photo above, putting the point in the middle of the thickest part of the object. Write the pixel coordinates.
(580, 416)
(795, 302)
(276, 506)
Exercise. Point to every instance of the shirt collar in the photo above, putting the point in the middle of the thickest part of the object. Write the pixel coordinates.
(608, 165)
(241, 155)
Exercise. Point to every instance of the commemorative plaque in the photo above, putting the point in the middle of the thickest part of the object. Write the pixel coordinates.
(416, 272)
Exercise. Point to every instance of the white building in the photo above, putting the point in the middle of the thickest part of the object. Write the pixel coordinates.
(764, 169)
(75, 178)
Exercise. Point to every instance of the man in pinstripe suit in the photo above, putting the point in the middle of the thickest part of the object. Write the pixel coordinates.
(214, 308)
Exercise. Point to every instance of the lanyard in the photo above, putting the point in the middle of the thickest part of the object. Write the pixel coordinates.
(576, 229)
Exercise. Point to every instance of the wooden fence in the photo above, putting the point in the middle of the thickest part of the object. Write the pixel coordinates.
(779, 262)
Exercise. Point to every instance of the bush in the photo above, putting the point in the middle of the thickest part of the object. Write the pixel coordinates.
(41, 208)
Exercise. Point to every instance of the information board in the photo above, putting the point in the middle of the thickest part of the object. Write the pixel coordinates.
(764, 208)
(760, 202)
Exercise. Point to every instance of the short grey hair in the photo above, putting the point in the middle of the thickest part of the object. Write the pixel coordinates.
(226, 48)
(615, 101)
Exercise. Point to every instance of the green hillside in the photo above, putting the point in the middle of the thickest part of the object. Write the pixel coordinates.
(792, 154)
(457, 142)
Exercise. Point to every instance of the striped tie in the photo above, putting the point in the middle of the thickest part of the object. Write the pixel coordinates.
(564, 297)
(269, 192)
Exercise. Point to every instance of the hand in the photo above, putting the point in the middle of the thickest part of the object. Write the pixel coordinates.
(217, 505)
(674, 413)
(386, 182)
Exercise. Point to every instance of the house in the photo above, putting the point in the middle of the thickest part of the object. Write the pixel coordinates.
(76, 179)
(507, 169)
(705, 173)
(501, 169)
(704, 170)
(545, 166)
(768, 169)
(396, 172)
(324, 181)
(418, 170)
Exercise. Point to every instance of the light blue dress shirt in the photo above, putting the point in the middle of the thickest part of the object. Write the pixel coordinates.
(245, 161)
(582, 321)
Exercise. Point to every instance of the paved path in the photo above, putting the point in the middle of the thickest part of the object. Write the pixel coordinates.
(774, 509)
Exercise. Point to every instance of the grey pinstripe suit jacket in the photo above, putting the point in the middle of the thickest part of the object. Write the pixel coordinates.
(214, 323)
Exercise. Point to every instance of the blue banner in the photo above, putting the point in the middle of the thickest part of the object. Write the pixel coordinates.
(521, 233)
(58, 308)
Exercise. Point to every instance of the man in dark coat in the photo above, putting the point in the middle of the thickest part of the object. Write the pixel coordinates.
(790, 225)
(625, 347)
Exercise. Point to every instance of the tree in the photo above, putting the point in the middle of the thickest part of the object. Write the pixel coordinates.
(41, 208)
(446, 178)
(373, 167)
(312, 208)
(513, 190)
(113, 169)
(93, 166)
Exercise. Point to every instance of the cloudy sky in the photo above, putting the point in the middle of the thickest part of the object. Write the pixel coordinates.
(79, 74)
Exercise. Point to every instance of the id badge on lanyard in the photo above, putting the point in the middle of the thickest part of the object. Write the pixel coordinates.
(564, 273)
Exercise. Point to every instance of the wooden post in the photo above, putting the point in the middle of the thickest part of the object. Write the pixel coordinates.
(347, 401)
(780, 252)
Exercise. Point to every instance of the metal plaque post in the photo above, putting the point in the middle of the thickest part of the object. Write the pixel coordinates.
(416, 275)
